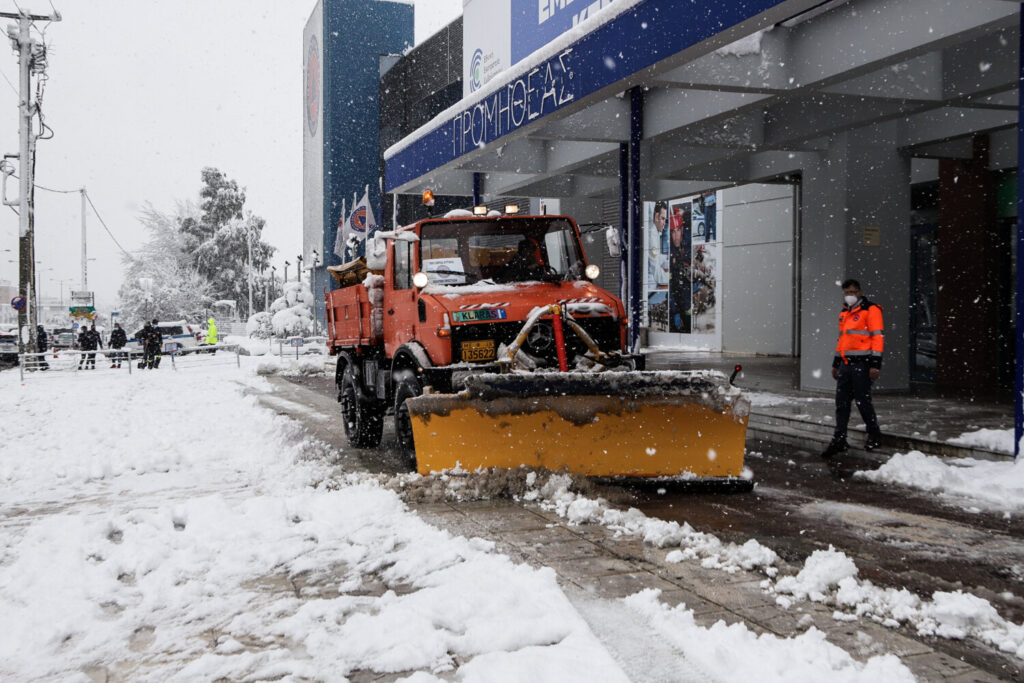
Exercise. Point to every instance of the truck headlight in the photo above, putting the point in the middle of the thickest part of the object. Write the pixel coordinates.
(420, 279)
(592, 271)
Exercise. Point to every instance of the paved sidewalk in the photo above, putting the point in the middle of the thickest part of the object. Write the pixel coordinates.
(592, 563)
(784, 414)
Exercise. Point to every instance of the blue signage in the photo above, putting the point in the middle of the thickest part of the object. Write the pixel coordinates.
(632, 41)
(18, 303)
(539, 91)
(535, 23)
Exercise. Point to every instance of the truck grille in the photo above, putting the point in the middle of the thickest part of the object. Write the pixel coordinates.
(604, 330)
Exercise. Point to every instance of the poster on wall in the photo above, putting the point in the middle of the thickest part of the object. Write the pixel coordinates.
(680, 242)
(684, 269)
(704, 269)
(657, 249)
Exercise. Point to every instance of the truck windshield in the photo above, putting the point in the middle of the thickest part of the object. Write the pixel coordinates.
(500, 250)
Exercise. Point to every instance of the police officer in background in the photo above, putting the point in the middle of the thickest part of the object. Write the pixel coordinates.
(42, 344)
(857, 363)
(143, 338)
(90, 340)
(154, 344)
(118, 339)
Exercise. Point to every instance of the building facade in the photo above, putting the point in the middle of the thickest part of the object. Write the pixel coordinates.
(789, 144)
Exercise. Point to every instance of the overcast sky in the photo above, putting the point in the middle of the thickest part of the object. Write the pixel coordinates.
(144, 93)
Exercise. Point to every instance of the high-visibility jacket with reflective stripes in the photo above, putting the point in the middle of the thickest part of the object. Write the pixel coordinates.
(861, 335)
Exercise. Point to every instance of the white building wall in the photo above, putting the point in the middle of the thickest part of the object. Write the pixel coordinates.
(758, 274)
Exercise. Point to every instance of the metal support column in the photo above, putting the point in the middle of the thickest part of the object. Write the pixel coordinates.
(636, 241)
(624, 221)
(1018, 383)
(478, 184)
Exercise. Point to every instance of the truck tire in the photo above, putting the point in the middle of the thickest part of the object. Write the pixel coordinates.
(363, 418)
(406, 386)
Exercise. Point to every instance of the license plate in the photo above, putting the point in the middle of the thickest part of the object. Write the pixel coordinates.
(477, 350)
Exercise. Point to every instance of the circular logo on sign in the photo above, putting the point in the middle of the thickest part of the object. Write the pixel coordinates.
(312, 85)
(18, 303)
(475, 66)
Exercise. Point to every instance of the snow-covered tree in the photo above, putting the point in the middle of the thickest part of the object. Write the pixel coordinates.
(217, 240)
(290, 315)
(158, 281)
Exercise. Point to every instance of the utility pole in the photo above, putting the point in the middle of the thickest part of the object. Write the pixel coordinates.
(248, 240)
(298, 269)
(85, 268)
(31, 57)
(286, 264)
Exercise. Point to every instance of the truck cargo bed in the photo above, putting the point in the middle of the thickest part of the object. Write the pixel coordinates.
(350, 317)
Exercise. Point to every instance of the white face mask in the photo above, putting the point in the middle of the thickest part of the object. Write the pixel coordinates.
(850, 299)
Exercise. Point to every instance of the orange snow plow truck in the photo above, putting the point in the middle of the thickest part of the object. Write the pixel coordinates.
(492, 347)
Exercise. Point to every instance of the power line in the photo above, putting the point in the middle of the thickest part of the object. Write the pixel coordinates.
(49, 189)
(13, 89)
(94, 210)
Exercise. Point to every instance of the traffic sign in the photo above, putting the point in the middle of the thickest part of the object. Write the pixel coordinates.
(170, 347)
(297, 341)
(18, 303)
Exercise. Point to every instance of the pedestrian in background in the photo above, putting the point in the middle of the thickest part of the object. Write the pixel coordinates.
(143, 338)
(82, 334)
(118, 339)
(90, 342)
(154, 345)
(857, 363)
(41, 347)
(211, 333)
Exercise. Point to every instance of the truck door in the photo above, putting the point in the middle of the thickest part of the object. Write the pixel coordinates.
(400, 298)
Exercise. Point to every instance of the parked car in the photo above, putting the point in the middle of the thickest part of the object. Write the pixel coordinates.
(177, 331)
(63, 338)
(9, 346)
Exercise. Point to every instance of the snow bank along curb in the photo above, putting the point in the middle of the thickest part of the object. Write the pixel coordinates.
(996, 486)
(828, 577)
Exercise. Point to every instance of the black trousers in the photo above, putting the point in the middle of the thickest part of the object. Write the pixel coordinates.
(854, 385)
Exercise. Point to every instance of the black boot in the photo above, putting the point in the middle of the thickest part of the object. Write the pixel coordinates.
(835, 447)
(873, 442)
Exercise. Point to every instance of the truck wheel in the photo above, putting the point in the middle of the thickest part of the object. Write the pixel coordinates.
(364, 419)
(407, 386)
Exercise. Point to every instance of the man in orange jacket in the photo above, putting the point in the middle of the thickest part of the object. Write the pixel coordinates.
(857, 363)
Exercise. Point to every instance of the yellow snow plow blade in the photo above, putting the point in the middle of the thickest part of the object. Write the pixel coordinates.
(636, 424)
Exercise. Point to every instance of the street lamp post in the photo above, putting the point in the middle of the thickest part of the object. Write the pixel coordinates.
(298, 268)
(312, 280)
(286, 264)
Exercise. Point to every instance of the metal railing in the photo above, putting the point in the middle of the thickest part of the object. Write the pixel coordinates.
(72, 360)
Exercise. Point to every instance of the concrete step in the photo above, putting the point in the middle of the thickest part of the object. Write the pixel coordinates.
(807, 433)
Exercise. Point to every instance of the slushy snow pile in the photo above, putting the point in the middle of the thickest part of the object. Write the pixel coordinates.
(997, 486)
(828, 576)
(164, 526)
(999, 440)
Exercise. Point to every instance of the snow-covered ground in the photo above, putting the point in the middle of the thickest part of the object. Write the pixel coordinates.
(163, 526)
